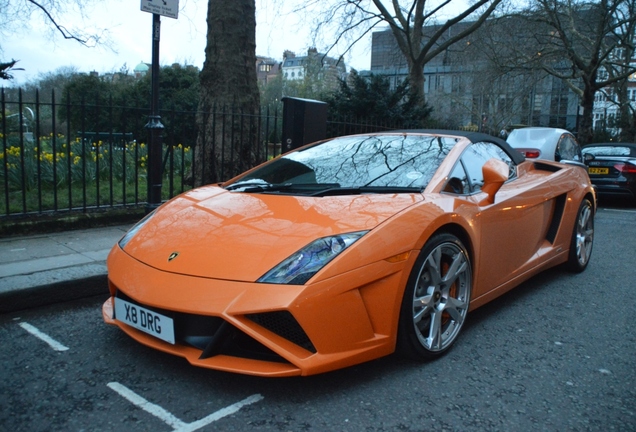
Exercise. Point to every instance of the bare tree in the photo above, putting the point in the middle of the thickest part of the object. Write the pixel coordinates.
(422, 29)
(18, 15)
(578, 42)
(622, 65)
(228, 87)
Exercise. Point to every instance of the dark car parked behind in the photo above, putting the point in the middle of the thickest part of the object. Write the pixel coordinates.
(612, 168)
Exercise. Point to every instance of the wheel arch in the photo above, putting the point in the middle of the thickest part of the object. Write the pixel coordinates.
(592, 198)
(461, 233)
(406, 342)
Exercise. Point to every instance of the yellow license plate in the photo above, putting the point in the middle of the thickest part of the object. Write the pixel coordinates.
(598, 170)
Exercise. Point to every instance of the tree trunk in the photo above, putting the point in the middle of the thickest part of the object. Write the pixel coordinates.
(627, 120)
(585, 131)
(416, 83)
(229, 102)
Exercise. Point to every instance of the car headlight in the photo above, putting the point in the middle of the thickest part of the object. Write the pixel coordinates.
(302, 265)
(134, 230)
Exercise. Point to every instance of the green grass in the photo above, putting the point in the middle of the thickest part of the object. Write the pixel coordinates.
(54, 174)
(54, 200)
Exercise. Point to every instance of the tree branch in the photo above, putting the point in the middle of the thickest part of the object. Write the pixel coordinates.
(67, 34)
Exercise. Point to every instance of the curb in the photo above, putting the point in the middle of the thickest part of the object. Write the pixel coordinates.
(64, 291)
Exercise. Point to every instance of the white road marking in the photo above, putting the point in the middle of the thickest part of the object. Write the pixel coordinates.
(38, 334)
(173, 421)
(620, 210)
(220, 414)
(149, 407)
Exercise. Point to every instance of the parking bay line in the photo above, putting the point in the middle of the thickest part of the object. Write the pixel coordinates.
(173, 421)
(44, 337)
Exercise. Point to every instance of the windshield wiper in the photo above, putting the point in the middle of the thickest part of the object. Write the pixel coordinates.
(319, 189)
(369, 189)
(304, 188)
(258, 186)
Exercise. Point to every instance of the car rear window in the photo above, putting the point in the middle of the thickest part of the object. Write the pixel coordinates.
(610, 150)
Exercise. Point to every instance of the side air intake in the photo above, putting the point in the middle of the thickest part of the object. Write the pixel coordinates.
(284, 325)
(557, 217)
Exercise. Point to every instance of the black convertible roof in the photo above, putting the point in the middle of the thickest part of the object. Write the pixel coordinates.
(473, 137)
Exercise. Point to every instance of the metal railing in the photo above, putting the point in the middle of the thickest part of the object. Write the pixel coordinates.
(78, 155)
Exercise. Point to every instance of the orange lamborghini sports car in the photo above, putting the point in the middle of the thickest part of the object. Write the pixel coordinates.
(346, 250)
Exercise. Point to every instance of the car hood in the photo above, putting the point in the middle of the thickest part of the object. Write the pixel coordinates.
(210, 232)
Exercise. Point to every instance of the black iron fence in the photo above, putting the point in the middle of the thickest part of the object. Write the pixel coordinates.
(79, 155)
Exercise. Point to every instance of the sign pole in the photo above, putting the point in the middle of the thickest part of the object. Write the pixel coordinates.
(154, 125)
(169, 8)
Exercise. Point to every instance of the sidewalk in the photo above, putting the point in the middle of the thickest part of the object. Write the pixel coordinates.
(47, 268)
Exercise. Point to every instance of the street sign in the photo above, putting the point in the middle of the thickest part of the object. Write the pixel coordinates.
(168, 8)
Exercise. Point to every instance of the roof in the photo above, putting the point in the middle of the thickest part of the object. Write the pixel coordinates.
(536, 135)
(473, 137)
(142, 67)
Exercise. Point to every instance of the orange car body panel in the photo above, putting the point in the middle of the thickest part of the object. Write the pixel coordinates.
(349, 309)
(215, 234)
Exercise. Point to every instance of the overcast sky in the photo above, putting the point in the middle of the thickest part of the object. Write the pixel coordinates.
(130, 31)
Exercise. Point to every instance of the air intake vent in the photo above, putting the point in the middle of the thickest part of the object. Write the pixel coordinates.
(284, 325)
(546, 167)
(557, 217)
(213, 335)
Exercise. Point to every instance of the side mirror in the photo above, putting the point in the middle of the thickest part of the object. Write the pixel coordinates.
(495, 172)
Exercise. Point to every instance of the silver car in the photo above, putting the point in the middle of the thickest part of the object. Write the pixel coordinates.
(546, 143)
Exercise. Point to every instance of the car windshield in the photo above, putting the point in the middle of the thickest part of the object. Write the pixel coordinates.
(353, 164)
(608, 150)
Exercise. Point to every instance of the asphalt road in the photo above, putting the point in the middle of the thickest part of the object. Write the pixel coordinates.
(558, 353)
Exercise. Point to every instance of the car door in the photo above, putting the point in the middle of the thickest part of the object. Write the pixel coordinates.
(513, 228)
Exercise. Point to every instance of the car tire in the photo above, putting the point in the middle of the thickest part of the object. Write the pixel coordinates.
(436, 298)
(582, 238)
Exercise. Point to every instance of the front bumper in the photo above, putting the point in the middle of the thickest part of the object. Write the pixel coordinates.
(266, 329)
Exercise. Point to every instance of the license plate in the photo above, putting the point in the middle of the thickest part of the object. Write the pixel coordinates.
(598, 170)
(143, 319)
